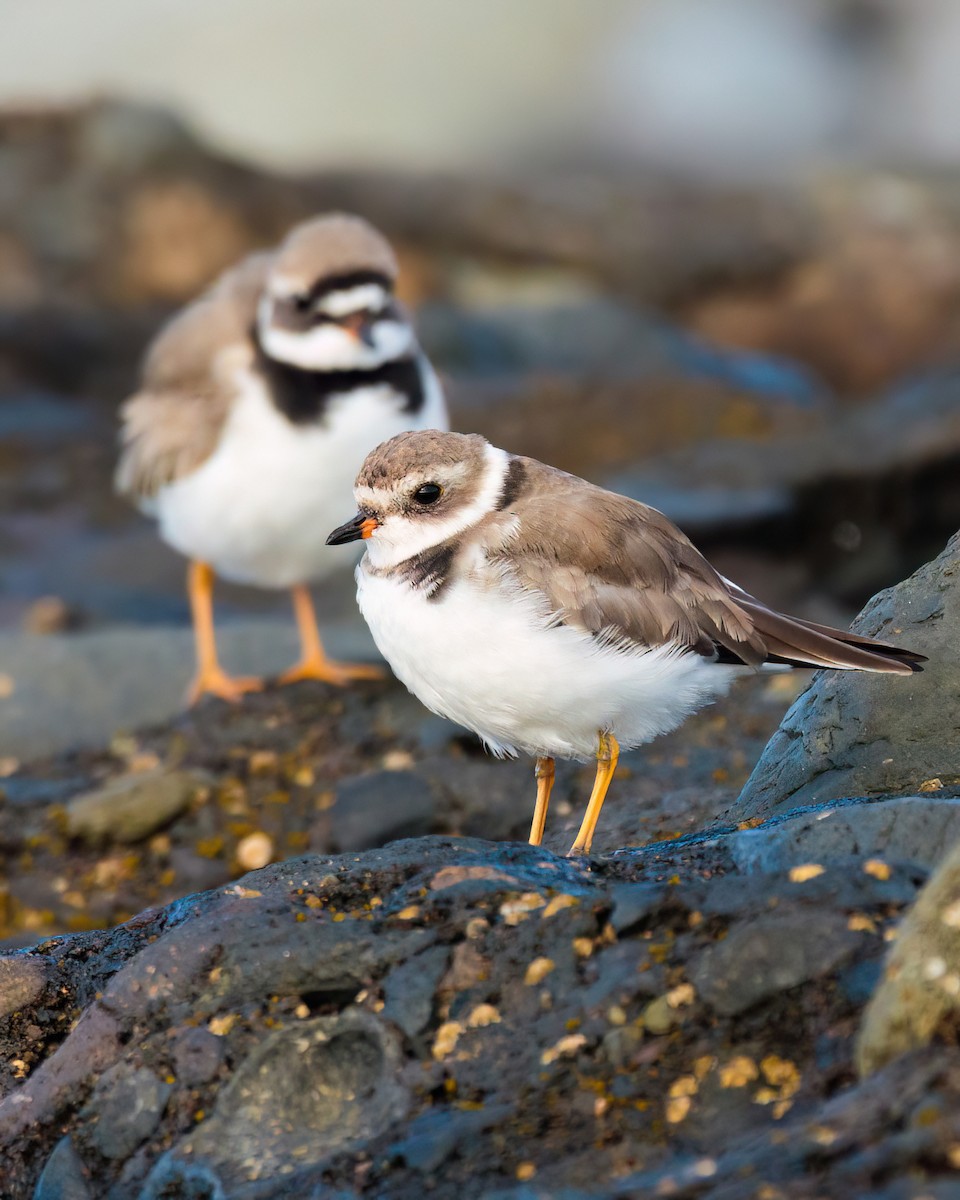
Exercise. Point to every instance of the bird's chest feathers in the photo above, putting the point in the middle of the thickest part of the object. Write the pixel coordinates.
(257, 432)
(306, 398)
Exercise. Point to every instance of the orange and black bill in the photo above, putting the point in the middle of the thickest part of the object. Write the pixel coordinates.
(360, 526)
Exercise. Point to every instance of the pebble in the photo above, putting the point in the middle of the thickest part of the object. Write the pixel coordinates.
(22, 980)
(132, 807)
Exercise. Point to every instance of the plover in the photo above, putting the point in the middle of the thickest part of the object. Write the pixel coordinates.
(555, 618)
(258, 404)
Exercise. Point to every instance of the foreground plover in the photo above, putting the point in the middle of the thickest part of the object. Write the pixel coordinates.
(553, 617)
(257, 406)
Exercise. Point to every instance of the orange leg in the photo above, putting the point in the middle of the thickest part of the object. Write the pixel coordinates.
(210, 679)
(544, 774)
(314, 663)
(607, 754)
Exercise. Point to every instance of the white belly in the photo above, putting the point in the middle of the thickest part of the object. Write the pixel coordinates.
(488, 661)
(260, 508)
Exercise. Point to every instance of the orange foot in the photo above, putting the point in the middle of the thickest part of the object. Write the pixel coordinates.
(321, 668)
(216, 682)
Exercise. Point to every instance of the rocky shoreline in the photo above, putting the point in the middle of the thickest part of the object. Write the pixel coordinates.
(467, 1017)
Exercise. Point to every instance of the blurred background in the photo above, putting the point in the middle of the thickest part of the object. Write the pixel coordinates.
(706, 252)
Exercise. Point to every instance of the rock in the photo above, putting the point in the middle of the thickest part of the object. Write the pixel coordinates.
(916, 829)
(433, 1138)
(304, 1093)
(130, 677)
(768, 955)
(22, 980)
(461, 1016)
(64, 1177)
(377, 808)
(197, 1056)
(920, 991)
(857, 734)
(410, 988)
(132, 807)
(127, 1106)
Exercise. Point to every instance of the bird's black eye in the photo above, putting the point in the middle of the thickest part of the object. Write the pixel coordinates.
(302, 303)
(428, 493)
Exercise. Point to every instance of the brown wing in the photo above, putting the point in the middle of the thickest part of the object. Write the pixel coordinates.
(173, 423)
(620, 570)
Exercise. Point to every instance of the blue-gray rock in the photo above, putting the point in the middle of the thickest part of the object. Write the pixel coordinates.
(304, 1093)
(380, 807)
(64, 1177)
(768, 955)
(917, 829)
(857, 734)
(127, 1106)
(130, 677)
(197, 1056)
(410, 988)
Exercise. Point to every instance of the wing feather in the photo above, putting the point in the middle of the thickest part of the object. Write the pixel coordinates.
(172, 425)
(620, 570)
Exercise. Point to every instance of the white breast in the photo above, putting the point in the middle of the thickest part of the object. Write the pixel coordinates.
(490, 659)
(259, 509)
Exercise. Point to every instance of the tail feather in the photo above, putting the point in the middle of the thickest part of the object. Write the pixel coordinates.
(800, 643)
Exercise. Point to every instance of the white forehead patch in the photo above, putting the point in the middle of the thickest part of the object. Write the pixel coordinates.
(366, 296)
(400, 537)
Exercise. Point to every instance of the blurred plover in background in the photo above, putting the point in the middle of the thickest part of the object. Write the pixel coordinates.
(257, 406)
(553, 617)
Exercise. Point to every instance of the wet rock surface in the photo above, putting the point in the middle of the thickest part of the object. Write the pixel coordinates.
(467, 1018)
(860, 735)
(455, 1016)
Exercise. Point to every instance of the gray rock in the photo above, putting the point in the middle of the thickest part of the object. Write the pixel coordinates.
(22, 979)
(409, 989)
(918, 829)
(75, 690)
(770, 954)
(197, 1056)
(132, 807)
(920, 991)
(858, 734)
(305, 1092)
(379, 807)
(128, 1105)
(433, 1137)
(64, 1177)
(187, 1181)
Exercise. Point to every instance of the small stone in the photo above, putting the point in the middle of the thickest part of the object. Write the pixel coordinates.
(483, 1014)
(805, 871)
(374, 809)
(663, 1013)
(64, 1177)
(254, 851)
(49, 614)
(621, 1043)
(22, 980)
(771, 954)
(446, 1039)
(128, 1105)
(132, 807)
(410, 988)
(197, 1056)
(566, 1047)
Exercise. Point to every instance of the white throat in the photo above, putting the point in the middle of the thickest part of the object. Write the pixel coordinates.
(400, 537)
(329, 347)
